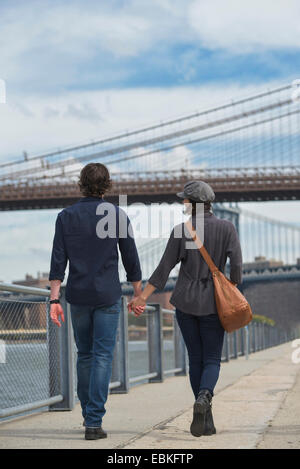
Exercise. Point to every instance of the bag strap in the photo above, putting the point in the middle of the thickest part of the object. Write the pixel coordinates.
(213, 268)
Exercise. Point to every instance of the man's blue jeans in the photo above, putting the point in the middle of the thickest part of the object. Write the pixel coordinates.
(95, 331)
(203, 337)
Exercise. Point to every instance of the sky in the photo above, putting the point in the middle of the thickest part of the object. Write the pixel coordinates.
(76, 71)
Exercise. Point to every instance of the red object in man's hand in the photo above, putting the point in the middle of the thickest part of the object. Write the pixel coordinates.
(57, 312)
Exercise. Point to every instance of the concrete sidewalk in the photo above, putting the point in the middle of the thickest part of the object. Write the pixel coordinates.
(254, 400)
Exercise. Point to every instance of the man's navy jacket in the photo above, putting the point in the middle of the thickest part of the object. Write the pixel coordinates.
(87, 234)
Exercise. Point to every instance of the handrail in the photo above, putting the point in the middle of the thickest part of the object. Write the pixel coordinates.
(120, 380)
(243, 342)
(23, 289)
(7, 287)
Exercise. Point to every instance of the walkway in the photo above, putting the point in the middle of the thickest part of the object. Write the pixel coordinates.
(256, 406)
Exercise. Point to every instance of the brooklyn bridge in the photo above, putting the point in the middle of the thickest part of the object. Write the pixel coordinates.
(247, 149)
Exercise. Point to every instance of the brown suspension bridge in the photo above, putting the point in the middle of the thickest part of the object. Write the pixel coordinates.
(248, 150)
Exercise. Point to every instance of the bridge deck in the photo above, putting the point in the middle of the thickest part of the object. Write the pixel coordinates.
(249, 185)
(252, 409)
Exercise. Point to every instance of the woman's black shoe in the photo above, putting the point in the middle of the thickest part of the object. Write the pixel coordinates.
(94, 433)
(209, 427)
(201, 406)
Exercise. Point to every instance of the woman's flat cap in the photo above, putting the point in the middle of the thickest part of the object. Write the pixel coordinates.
(197, 191)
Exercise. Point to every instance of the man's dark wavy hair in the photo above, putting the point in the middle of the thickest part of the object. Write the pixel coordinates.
(94, 180)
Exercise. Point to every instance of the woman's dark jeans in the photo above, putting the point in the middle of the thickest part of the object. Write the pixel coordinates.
(203, 337)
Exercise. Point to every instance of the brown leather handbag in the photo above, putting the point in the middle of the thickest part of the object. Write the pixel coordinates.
(233, 309)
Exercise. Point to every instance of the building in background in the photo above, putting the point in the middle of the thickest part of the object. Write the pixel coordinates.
(40, 281)
(261, 262)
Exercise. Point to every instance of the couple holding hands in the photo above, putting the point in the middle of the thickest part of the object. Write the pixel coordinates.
(94, 292)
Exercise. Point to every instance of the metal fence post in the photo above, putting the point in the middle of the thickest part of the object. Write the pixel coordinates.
(115, 363)
(66, 350)
(53, 346)
(180, 350)
(273, 336)
(249, 337)
(260, 336)
(235, 351)
(242, 341)
(226, 341)
(254, 336)
(120, 362)
(155, 344)
(277, 337)
(263, 336)
(247, 342)
(257, 343)
(267, 335)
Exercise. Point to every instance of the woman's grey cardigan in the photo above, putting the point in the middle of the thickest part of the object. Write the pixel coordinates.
(194, 290)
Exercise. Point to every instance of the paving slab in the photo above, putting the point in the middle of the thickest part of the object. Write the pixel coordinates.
(242, 413)
(283, 431)
(158, 415)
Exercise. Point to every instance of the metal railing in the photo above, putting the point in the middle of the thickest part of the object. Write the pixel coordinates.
(31, 376)
(39, 368)
(155, 348)
(253, 338)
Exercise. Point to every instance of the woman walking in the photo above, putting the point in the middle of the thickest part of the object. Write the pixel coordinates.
(193, 295)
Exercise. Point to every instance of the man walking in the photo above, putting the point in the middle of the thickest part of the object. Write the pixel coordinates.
(87, 235)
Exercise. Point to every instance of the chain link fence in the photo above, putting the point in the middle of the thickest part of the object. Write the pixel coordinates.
(30, 374)
(25, 375)
(38, 359)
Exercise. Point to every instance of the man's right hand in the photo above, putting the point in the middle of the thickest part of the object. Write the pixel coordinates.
(57, 312)
(137, 305)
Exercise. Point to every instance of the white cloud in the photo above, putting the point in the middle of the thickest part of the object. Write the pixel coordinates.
(286, 211)
(246, 26)
(43, 43)
(33, 34)
(23, 234)
(177, 158)
(46, 44)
